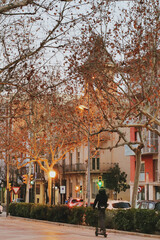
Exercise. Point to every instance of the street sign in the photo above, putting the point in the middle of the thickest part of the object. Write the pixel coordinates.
(15, 189)
(62, 189)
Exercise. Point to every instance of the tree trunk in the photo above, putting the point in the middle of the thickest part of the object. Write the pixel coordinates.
(136, 179)
(28, 185)
(49, 188)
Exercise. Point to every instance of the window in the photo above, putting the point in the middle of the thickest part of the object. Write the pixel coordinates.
(157, 193)
(95, 163)
(157, 206)
(70, 159)
(64, 161)
(94, 188)
(121, 205)
(142, 172)
(151, 206)
(37, 188)
(78, 157)
(144, 205)
(155, 170)
(77, 160)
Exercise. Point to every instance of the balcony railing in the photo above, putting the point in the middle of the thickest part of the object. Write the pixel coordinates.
(151, 143)
(78, 167)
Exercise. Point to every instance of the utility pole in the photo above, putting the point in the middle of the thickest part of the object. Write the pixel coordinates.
(7, 157)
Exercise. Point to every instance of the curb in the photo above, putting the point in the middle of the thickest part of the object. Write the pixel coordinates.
(86, 227)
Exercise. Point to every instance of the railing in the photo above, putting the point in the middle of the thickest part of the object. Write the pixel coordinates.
(151, 146)
(81, 167)
(151, 143)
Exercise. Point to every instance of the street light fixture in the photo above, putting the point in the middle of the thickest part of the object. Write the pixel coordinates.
(52, 174)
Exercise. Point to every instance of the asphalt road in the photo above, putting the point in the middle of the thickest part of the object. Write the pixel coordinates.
(21, 229)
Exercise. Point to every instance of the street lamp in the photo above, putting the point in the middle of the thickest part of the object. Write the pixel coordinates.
(82, 107)
(52, 175)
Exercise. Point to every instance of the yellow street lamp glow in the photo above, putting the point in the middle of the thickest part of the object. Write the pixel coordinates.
(52, 174)
(82, 107)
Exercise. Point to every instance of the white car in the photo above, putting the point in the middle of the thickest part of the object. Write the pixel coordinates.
(18, 200)
(118, 204)
(1, 209)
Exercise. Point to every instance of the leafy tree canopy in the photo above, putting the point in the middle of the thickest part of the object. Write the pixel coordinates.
(115, 180)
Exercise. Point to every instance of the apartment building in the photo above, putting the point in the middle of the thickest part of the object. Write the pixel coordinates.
(149, 180)
(75, 170)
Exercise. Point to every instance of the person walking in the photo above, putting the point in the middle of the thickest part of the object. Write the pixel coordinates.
(101, 200)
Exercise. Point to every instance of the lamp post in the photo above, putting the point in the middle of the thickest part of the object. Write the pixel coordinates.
(82, 107)
(52, 175)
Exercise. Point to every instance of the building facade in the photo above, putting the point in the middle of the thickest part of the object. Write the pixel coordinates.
(149, 180)
(75, 170)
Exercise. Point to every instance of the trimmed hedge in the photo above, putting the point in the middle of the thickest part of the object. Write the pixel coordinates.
(146, 221)
(125, 220)
(91, 217)
(21, 209)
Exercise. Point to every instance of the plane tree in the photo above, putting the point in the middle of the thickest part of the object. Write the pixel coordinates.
(121, 68)
(39, 136)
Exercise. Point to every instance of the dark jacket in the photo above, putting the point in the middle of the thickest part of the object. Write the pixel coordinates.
(101, 199)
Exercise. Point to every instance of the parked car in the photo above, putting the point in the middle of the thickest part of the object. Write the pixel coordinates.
(18, 200)
(91, 204)
(149, 204)
(75, 202)
(118, 204)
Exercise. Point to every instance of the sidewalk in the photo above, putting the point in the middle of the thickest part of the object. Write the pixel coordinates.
(88, 227)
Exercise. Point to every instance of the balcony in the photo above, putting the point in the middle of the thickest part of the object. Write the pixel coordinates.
(151, 146)
(78, 167)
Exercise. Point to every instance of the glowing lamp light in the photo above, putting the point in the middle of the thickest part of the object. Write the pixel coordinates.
(82, 107)
(52, 174)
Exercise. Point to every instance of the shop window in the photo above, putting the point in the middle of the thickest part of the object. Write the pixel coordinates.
(157, 193)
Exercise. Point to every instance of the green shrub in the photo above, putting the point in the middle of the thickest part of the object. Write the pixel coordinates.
(77, 215)
(39, 211)
(158, 221)
(158, 225)
(12, 209)
(124, 220)
(20, 209)
(58, 213)
(91, 217)
(145, 220)
(109, 218)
